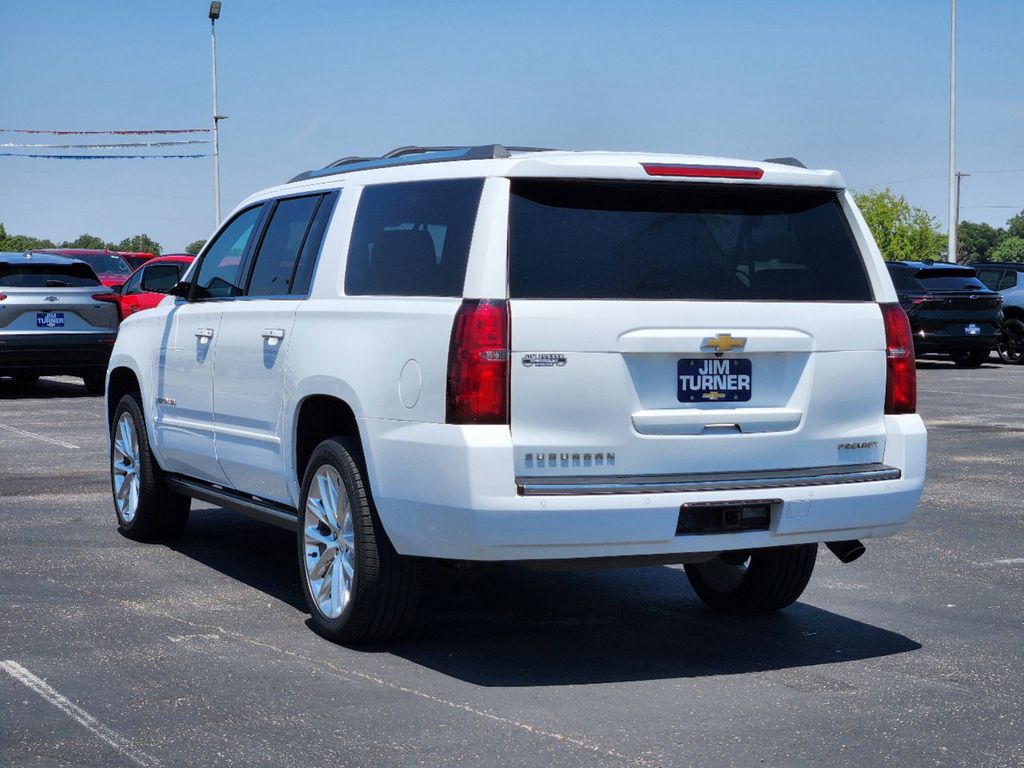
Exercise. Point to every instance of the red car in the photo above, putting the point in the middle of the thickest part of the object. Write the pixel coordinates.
(109, 267)
(136, 258)
(148, 284)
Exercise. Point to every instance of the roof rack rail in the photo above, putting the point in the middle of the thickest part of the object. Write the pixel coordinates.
(410, 156)
(786, 161)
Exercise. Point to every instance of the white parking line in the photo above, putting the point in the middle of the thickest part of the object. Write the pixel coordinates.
(94, 726)
(26, 433)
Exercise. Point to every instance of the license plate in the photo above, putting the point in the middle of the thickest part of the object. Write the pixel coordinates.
(49, 319)
(713, 380)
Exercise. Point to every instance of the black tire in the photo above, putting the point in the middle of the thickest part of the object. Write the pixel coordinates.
(384, 585)
(970, 358)
(95, 383)
(26, 378)
(161, 513)
(759, 581)
(1011, 342)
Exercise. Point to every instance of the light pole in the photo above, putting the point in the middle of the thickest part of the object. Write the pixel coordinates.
(214, 15)
(960, 175)
(953, 181)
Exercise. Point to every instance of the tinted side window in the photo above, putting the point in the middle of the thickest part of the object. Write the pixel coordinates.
(1008, 280)
(281, 245)
(132, 285)
(160, 278)
(311, 249)
(220, 273)
(413, 239)
(990, 277)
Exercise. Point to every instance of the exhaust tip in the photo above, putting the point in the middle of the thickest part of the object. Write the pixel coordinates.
(846, 551)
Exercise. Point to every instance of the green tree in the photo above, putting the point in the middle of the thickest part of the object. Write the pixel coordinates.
(1011, 249)
(195, 247)
(1015, 226)
(903, 232)
(975, 242)
(20, 243)
(139, 244)
(86, 241)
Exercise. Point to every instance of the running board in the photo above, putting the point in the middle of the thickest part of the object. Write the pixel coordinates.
(268, 511)
(583, 485)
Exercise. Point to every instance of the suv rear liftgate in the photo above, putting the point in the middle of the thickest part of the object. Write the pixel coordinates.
(660, 327)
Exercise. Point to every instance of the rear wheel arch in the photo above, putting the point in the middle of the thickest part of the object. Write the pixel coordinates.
(1013, 313)
(122, 381)
(318, 418)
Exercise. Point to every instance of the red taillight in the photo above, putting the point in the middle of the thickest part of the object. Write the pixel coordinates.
(703, 171)
(111, 298)
(478, 364)
(3, 296)
(900, 368)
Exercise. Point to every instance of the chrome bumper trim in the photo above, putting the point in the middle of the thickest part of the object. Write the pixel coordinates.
(708, 481)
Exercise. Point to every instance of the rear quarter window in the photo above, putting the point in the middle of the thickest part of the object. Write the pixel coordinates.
(412, 239)
(655, 240)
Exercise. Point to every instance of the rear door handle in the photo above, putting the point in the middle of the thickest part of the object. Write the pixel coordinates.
(204, 335)
(273, 335)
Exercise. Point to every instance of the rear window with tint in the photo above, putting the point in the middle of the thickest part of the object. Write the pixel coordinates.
(47, 276)
(601, 240)
(412, 239)
(943, 279)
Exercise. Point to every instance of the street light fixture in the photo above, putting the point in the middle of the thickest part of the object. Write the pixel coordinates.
(214, 15)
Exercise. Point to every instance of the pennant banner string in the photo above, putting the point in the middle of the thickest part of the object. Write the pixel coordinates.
(103, 157)
(112, 133)
(113, 146)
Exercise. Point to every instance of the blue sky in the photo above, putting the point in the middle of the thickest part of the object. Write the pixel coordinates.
(858, 86)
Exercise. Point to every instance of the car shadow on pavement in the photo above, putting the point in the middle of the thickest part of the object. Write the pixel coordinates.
(510, 625)
(44, 389)
(513, 626)
(254, 553)
(936, 364)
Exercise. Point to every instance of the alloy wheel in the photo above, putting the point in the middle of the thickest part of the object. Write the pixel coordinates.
(124, 467)
(329, 542)
(1011, 343)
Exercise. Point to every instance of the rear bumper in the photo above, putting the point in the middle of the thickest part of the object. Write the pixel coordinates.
(942, 344)
(450, 492)
(55, 353)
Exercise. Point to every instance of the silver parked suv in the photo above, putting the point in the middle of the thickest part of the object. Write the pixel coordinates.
(55, 318)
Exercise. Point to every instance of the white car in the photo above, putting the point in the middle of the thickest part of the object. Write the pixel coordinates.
(493, 354)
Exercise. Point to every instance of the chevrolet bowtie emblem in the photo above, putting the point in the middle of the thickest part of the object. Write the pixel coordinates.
(723, 342)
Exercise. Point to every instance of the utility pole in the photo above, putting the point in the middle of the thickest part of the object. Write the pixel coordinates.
(954, 181)
(214, 15)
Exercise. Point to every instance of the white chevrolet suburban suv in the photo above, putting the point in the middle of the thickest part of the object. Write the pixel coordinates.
(501, 354)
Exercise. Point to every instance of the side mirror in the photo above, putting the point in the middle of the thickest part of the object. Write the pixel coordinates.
(117, 288)
(180, 289)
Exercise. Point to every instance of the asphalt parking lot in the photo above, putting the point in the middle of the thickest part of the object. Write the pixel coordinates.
(114, 653)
